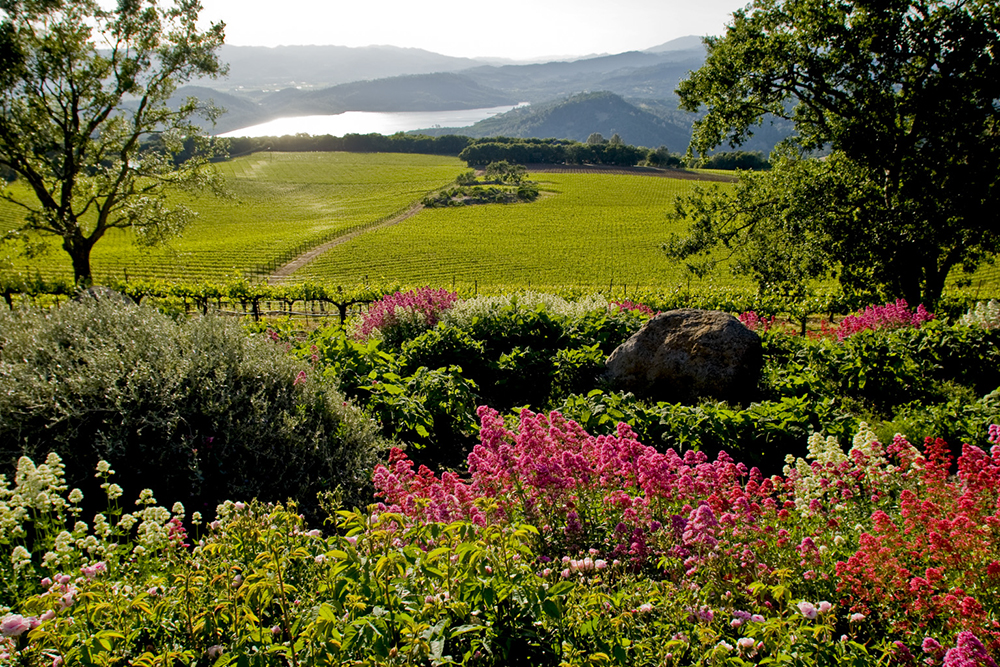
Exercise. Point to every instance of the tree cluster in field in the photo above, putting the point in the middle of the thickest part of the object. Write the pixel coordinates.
(503, 183)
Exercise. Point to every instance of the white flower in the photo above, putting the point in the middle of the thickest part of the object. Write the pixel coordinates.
(104, 468)
(20, 557)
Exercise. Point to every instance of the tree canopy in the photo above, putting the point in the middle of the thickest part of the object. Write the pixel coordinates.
(903, 96)
(84, 120)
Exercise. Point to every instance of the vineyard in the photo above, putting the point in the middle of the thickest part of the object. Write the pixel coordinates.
(276, 206)
(594, 231)
(587, 232)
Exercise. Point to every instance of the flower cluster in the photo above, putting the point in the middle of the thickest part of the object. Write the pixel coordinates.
(396, 316)
(890, 316)
(983, 314)
(632, 306)
(754, 322)
(612, 494)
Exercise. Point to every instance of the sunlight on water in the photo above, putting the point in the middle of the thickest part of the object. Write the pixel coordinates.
(365, 122)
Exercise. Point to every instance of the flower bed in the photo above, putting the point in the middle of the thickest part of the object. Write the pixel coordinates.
(556, 547)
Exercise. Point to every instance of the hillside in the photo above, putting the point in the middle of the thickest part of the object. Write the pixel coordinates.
(256, 69)
(579, 116)
(422, 92)
(637, 98)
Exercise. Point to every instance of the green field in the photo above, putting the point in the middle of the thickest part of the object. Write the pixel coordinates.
(591, 231)
(586, 230)
(278, 202)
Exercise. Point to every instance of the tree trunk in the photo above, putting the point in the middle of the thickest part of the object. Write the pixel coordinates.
(933, 286)
(79, 252)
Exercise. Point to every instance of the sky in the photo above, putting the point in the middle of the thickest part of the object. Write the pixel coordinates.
(516, 29)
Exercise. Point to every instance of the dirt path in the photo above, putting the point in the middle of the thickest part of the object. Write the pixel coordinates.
(283, 273)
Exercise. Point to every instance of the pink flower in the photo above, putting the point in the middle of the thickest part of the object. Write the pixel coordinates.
(808, 610)
(968, 652)
(857, 617)
(645, 608)
(91, 571)
(14, 625)
(824, 607)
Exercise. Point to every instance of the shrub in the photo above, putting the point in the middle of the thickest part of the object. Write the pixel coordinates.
(199, 410)
(402, 315)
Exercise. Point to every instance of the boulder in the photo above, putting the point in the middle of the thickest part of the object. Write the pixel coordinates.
(688, 354)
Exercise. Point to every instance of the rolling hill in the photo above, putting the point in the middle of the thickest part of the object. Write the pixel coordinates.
(579, 116)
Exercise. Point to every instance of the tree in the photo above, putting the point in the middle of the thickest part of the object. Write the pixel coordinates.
(505, 172)
(904, 94)
(596, 138)
(84, 121)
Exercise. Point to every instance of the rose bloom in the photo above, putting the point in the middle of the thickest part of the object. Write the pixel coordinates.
(808, 609)
(14, 625)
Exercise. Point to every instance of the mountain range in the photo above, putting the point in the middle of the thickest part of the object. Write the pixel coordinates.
(631, 93)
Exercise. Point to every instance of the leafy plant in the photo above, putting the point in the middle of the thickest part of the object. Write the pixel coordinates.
(197, 410)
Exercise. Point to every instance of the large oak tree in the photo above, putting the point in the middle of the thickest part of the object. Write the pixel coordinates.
(903, 96)
(84, 120)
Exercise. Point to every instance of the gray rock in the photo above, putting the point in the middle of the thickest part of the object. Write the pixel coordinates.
(688, 354)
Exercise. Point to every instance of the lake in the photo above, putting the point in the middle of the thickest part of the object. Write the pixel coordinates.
(366, 122)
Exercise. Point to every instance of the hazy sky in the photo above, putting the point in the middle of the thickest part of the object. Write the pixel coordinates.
(498, 28)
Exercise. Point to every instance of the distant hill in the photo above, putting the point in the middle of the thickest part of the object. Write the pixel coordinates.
(240, 111)
(422, 92)
(256, 68)
(638, 99)
(577, 118)
(544, 82)
(688, 43)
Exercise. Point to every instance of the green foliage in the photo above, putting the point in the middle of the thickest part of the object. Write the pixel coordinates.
(85, 122)
(779, 225)
(197, 410)
(505, 172)
(435, 410)
(904, 96)
(731, 160)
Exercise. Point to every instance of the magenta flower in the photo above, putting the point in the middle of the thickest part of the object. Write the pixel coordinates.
(968, 652)
(890, 316)
(405, 312)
